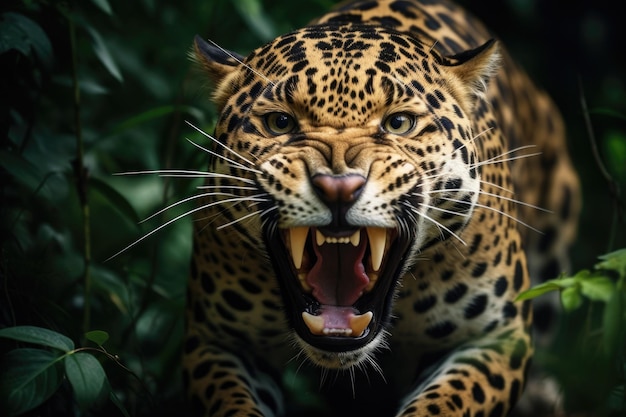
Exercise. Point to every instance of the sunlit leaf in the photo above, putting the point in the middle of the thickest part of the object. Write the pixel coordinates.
(38, 336)
(571, 298)
(28, 378)
(614, 261)
(99, 337)
(538, 290)
(597, 288)
(87, 377)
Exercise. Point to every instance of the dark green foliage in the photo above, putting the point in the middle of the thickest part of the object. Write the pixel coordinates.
(93, 88)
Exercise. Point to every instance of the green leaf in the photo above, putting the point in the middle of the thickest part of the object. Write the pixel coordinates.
(38, 336)
(104, 55)
(152, 114)
(597, 288)
(21, 169)
(252, 12)
(614, 261)
(24, 35)
(538, 290)
(116, 199)
(104, 6)
(87, 377)
(99, 337)
(28, 378)
(571, 298)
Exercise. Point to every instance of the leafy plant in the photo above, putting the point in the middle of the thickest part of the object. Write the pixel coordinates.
(31, 375)
(595, 351)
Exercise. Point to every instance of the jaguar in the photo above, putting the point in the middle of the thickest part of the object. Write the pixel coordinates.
(381, 185)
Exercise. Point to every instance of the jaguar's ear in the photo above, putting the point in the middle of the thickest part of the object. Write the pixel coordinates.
(474, 68)
(219, 64)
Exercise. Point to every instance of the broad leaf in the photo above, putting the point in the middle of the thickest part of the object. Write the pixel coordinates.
(99, 337)
(38, 336)
(28, 378)
(571, 298)
(538, 290)
(87, 378)
(614, 261)
(22, 34)
(597, 288)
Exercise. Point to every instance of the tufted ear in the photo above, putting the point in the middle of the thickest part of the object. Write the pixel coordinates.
(474, 68)
(219, 64)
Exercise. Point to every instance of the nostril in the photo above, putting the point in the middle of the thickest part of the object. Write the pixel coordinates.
(338, 189)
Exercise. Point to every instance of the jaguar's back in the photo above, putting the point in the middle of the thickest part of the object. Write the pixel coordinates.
(368, 210)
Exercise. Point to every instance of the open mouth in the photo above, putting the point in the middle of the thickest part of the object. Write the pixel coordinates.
(338, 284)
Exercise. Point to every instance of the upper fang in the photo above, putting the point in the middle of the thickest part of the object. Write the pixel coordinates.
(297, 240)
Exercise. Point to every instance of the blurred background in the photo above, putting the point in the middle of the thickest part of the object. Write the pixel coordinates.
(93, 88)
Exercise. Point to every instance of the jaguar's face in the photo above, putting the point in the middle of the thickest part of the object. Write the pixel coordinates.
(358, 155)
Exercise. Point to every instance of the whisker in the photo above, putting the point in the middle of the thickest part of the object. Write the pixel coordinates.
(491, 195)
(187, 213)
(497, 186)
(444, 210)
(241, 62)
(494, 161)
(180, 173)
(219, 143)
(238, 220)
(499, 212)
(232, 163)
(441, 226)
(193, 197)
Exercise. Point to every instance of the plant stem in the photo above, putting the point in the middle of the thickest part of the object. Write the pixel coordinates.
(81, 174)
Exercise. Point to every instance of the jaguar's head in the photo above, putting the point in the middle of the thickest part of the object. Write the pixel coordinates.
(347, 150)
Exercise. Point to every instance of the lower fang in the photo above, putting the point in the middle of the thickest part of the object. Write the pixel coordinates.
(358, 324)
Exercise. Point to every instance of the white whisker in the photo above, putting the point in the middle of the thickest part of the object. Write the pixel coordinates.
(238, 220)
(491, 195)
(187, 213)
(180, 173)
(230, 54)
(233, 163)
(441, 226)
(219, 143)
(193, 197)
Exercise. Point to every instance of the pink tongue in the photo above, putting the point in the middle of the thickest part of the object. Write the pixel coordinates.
(338, 276)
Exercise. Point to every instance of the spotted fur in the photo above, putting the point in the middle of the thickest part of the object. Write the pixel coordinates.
(399, 137)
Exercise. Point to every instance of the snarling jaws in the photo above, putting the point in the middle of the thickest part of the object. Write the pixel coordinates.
(338, 285)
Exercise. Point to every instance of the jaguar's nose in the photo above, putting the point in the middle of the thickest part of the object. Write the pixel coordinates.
(338, 193)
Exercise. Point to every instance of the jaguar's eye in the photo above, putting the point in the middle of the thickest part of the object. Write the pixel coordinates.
(399, 123)
(280, 123)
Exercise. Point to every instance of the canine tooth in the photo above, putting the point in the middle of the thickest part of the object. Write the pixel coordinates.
(314, 323)
(377, 237)
(297, 240)
(373, 276)
(319, 238)
(355, 239)
(359, 323)
(305, 285)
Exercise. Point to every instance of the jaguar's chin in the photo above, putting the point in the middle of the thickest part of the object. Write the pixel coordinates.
(337, 285)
